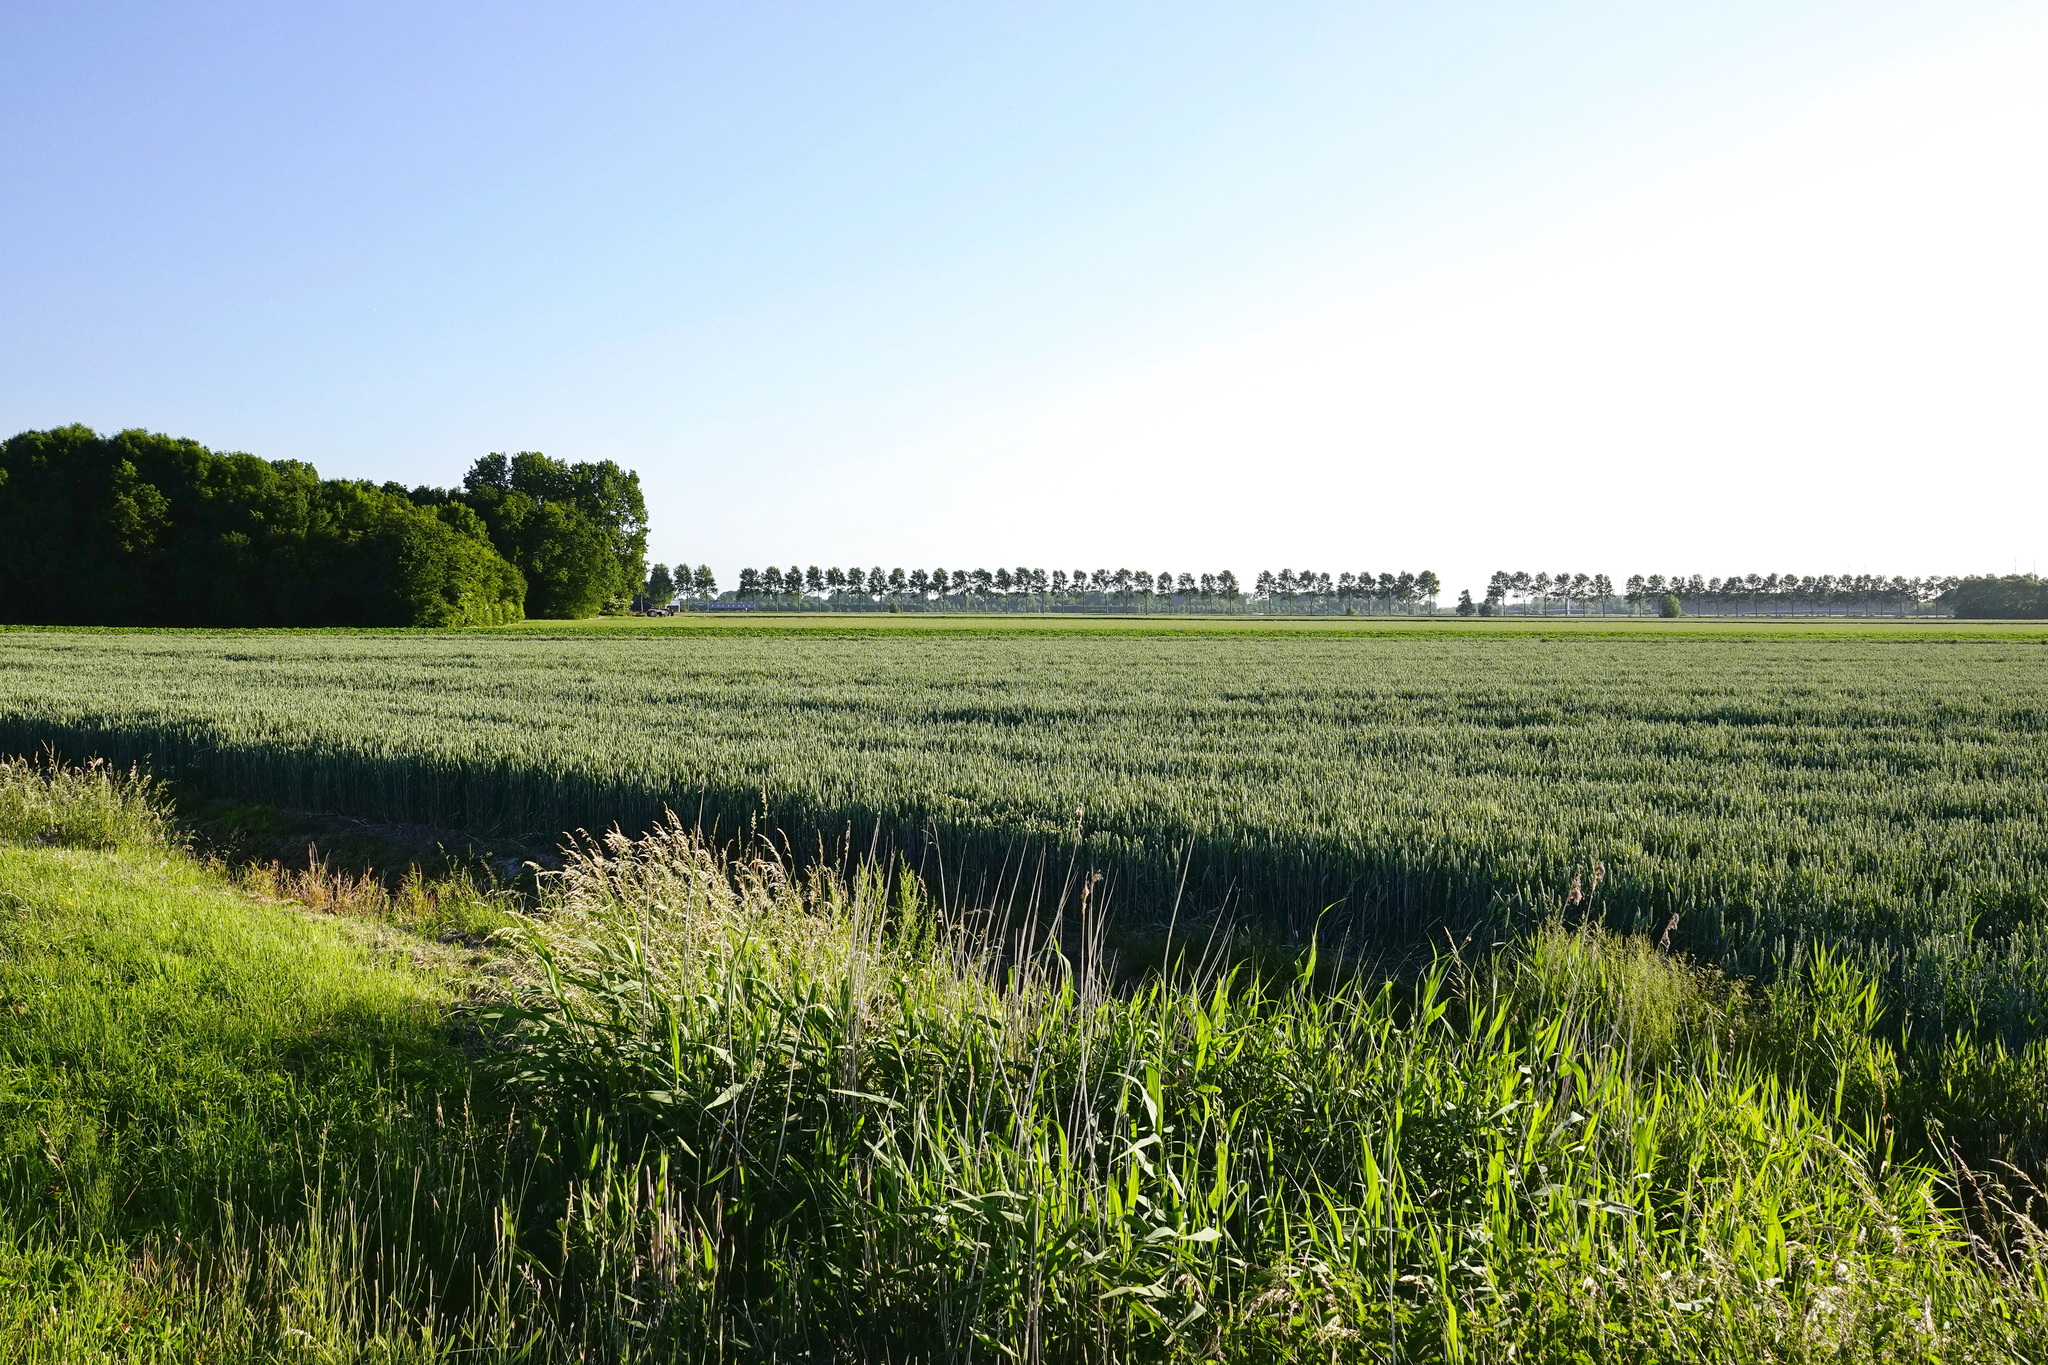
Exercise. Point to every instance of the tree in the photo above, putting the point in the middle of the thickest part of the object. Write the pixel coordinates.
(1670, 606)
(1226, 583)
(587, 552)
(660, 589)
(707, 583)
(145, 529)
(1466, 606)
(2014, 597)
(814, 580)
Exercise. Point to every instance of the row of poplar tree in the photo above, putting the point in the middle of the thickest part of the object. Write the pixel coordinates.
(1107, 586)
(1766, 593)
(857, 585)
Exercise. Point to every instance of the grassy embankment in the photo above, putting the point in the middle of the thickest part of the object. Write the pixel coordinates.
(704, 1110)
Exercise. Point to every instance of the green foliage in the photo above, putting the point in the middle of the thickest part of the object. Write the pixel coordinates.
(2016, 597)
(90, 806)
(578, 532)
(1669, 606)
(742, 1112)
(143, 529)
(876, 1138)
(660, 588)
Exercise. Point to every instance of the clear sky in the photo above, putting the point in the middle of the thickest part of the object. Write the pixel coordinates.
(1750, 285)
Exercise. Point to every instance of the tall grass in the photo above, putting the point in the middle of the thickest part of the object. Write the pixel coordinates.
(89, 805)
(724, 1107)
(821, 1120)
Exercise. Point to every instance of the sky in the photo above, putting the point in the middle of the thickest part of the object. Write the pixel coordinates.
(1746, 286)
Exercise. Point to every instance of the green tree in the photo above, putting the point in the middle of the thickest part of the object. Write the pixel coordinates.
(577, 531)
(660, 588)
(2014, 597)
(144, 529)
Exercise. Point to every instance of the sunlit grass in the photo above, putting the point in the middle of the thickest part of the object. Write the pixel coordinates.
(724, 1107)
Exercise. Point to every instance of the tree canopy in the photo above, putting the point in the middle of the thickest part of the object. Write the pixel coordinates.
(2014, 597)
(144, 529)
(578, 532)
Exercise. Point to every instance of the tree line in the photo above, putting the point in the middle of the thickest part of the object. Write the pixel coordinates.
(859, 588)
(2011, 597)
(144, 529)
(1787, 593)
(1395, 591)
(1765, 594)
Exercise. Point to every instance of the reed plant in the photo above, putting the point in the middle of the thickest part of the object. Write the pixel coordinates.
(823, 1118)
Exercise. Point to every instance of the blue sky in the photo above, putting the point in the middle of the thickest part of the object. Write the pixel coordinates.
(1602, 287)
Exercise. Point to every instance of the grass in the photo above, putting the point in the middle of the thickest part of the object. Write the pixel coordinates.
(1737, 1046)
(885, 1144)
(742, 625)
(178, 1062)
(718, 1107)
